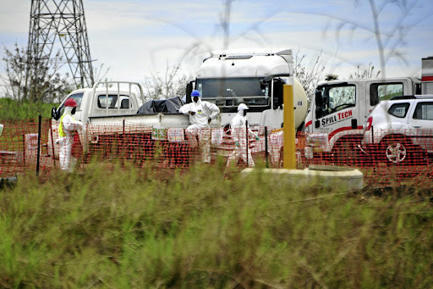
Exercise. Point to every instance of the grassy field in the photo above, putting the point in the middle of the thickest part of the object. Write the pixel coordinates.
(112, 227)
(25, 110)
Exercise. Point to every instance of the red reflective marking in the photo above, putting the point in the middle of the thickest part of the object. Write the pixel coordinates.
(427, 78)
(309, 123)
(369, 122)
(344, 128)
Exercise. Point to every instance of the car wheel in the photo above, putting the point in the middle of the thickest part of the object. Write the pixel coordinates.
(395, 151)
(400, 151)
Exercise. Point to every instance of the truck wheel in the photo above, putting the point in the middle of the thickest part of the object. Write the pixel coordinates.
(346, 153)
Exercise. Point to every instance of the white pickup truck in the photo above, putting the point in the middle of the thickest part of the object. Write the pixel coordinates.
(108, 109)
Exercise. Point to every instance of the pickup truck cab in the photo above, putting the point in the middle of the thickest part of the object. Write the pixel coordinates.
(104, 101)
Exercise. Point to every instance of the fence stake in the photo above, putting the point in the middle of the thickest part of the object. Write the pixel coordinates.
(247, 146)
(266, 147)
(52, 143)
(39, 145)
(24, 149)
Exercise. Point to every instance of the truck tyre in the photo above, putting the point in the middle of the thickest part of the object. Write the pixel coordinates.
(345, 152)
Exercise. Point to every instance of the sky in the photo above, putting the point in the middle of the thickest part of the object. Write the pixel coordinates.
(137, 39)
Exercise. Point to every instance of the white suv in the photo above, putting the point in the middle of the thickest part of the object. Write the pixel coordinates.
(400, 131)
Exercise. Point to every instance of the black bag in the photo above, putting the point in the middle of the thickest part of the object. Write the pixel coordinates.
(170, 105)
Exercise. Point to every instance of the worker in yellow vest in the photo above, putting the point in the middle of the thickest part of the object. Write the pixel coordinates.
(67, 127)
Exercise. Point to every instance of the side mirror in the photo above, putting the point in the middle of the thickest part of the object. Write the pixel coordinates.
(278, 94)
(318, 104)
(318, 96)
(188, 91)
(55, 114)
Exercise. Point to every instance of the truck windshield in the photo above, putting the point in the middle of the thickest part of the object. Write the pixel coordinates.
(334, 98)
(229, 92)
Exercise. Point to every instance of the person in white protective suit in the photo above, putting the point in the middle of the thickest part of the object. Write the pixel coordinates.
(239, 129)
(67, 127)
(200, 114)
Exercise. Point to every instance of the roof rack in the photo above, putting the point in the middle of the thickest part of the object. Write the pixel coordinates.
(412, 96)
(424, 96)
(403, 97)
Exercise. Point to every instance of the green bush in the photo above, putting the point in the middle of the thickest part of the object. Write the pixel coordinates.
(23, 110)
(120, 227)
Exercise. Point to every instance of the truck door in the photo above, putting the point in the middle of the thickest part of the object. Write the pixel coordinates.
(335, 110)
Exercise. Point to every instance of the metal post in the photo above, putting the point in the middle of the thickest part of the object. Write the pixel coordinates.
(52, 143)
(266, 147)
(24, 150)
(246, 134)
(289, 151)
(38, 154)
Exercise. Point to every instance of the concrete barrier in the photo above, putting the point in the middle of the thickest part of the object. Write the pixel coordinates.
(329, 176)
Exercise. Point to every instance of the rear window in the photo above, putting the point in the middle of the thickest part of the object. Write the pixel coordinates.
(424, 111)
(111, 101)
(399, 109)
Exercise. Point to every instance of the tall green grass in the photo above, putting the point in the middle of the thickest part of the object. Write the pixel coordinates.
(112, 227)
(23, 110)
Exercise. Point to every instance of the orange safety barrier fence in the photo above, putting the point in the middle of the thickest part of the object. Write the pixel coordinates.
(19, 147)
(380, 155)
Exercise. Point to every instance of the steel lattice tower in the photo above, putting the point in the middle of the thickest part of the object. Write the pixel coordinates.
(54, 22)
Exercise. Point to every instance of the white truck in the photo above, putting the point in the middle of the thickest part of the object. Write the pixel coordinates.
(335, 122)
(256, 78)
(109, 109)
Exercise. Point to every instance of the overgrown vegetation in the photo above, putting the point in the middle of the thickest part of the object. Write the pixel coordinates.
(23, 110)
(126, 228)
(37, 79)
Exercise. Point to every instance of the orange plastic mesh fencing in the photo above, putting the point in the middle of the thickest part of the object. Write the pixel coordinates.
(19, 147)
(380, 155)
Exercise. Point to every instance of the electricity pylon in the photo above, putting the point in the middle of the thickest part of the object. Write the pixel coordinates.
(62, 23)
